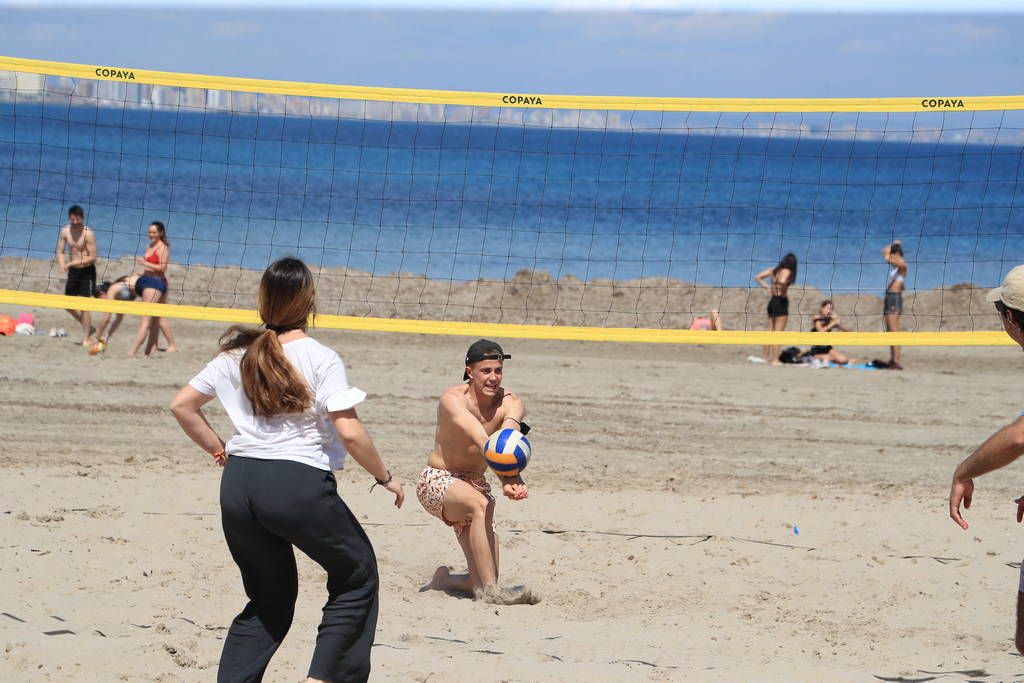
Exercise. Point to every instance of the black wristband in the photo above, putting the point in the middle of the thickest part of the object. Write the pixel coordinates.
(383, 482)
(524, 428)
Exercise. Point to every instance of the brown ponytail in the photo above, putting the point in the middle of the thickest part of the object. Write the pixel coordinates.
(286, 301)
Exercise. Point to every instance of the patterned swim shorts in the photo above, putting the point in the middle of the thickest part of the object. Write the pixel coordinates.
(432, 485)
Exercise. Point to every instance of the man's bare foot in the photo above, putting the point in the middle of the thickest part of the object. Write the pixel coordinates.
(439, 581)
(444, 580)
(171, 349)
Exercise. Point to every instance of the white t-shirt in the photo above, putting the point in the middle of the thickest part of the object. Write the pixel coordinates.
(309, 437)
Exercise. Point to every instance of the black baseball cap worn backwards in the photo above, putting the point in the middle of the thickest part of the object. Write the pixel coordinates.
(484, 349)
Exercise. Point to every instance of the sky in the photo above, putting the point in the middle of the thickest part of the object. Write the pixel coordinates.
(589, 47)
(926, 6)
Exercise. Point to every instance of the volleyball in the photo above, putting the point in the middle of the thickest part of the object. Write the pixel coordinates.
(507, 452)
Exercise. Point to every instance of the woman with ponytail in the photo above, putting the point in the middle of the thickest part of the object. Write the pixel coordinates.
(294, 416)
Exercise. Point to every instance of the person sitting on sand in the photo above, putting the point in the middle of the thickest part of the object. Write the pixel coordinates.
(453, 488)
(827, 321)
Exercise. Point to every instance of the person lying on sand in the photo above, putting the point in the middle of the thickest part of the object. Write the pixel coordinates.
(713, 322)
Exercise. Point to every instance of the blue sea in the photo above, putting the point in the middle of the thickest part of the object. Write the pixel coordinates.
(461, 201)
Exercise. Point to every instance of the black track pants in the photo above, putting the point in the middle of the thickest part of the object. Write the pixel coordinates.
(268, 506)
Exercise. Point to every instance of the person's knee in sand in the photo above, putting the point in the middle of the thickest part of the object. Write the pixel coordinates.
(473, 514)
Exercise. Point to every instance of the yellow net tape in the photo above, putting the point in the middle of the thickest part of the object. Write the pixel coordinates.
(508, 331)
(927, 103)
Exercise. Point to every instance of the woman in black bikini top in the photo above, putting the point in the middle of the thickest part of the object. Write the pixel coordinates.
(777, 281)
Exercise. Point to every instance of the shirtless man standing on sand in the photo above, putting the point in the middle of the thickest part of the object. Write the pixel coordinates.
(80, 265)
(453, 487)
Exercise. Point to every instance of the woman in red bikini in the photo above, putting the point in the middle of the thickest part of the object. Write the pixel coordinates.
(151, 287)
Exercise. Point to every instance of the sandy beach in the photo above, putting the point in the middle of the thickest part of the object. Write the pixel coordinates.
(691, 517)
(536, 298)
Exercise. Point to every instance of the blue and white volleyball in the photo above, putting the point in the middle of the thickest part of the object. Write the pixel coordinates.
(507, 452)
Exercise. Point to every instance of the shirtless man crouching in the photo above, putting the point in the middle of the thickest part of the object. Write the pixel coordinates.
(453, 487)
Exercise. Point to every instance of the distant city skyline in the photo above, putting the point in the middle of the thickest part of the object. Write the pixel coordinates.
(688, 54)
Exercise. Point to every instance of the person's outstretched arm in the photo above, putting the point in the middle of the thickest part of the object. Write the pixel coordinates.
(999, 450)
(514, 488)
(360, 446)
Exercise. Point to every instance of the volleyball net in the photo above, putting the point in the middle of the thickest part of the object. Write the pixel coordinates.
(515, 215)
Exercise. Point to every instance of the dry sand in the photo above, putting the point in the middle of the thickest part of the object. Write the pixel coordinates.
(667, 487)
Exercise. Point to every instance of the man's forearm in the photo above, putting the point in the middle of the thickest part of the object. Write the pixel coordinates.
(999, 450)
(81, 261)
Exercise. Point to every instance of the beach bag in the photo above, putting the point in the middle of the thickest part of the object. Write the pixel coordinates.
(790, 355)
